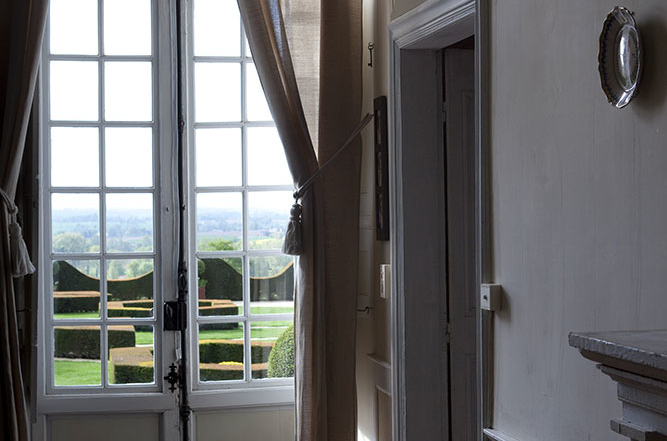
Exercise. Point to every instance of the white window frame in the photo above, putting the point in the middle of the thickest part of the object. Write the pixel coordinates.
(246, 318)
(141, 398)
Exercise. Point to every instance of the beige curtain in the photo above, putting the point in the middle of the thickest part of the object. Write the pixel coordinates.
(308, 55)
(21, 30)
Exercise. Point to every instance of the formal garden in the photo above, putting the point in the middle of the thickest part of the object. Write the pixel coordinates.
(131, 355)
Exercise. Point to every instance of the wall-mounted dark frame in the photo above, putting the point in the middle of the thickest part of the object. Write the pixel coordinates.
(381, 169)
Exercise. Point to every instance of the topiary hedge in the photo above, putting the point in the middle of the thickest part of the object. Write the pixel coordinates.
(131, 365)
(84, 341)
(222, 372)
(216, 351)
(81, 301)
(67, 278)
(281, 360)
(129, 312)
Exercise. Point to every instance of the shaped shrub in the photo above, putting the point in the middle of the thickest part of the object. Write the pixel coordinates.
(216, 351)
(281, 360)
(84, 341)
(131, 365)
(81, 301)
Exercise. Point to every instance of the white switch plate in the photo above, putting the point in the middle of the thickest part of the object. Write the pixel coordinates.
(490, 297)
(385, 281)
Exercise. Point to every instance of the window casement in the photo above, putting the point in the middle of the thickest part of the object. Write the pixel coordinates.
(109, 236)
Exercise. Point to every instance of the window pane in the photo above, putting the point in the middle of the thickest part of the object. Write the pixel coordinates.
(128, 91)
(272, 345)
(268, 215)
(75, 223)
(266, 158)
(220, 286)
(217, 92)
(129, 156)
(76, 352)
(258, 110)
(76, 289)
(73, 26)
(218, 157)
(129, 220)
(74, 88)
(221, 352)
(131, 354)
(130, 288)
(219, 221)
(217, 28)
(75, 157)
(127, 27)
(271, 284)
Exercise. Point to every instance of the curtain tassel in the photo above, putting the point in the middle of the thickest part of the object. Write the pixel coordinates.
(292, 244)
(18, 252)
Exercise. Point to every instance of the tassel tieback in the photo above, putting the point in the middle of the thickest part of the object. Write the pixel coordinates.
(292, 244)
(20, 259)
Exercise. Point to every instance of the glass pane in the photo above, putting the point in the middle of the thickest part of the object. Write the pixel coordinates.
(73, 89)
(129, 156)
(271, 284)
(258, 110)
(130, 288)
(75, 223)
(131, 354)
(217, 92)
(221, 352)
(217, 28)
(268, 215)
(76, 289)
(220, 286)
(127, 27)
(73, 26)
(128, 91)
(266, 158)
(218, 157)
(129, 222)
(76, 352)
(75, 157)
(219, 221)
(272, 344)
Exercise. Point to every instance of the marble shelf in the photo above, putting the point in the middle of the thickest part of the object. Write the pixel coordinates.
(637, 361)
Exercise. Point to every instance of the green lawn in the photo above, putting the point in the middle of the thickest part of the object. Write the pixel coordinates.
(78, 315)
(77, 373)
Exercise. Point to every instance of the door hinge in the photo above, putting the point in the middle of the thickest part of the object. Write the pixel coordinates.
(175, 315)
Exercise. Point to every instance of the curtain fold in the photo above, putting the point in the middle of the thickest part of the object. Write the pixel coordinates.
(315, 48)
(21, 32)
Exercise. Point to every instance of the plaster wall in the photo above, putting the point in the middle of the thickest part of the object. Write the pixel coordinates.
(579, 210)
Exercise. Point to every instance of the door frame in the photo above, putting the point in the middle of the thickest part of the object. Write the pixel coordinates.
(417, 168)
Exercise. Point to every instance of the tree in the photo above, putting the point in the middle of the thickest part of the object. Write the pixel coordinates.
(70, 243)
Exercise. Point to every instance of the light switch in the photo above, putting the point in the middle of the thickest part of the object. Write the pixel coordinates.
(385, 281)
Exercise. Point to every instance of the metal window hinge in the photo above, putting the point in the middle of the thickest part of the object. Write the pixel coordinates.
(173, 377)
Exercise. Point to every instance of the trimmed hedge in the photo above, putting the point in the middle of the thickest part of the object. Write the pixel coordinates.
(84, 341)
(222, 280)
(67, 278)
(216, 351)
(129, 312)
(137, 303)
(135, 365)
(221, 372)
(131, 365)
(281, 360)
(79, 301)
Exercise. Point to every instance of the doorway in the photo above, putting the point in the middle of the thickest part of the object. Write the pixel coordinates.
(435, 218)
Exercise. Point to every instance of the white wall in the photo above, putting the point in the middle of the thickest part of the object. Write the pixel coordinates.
(579, 212)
